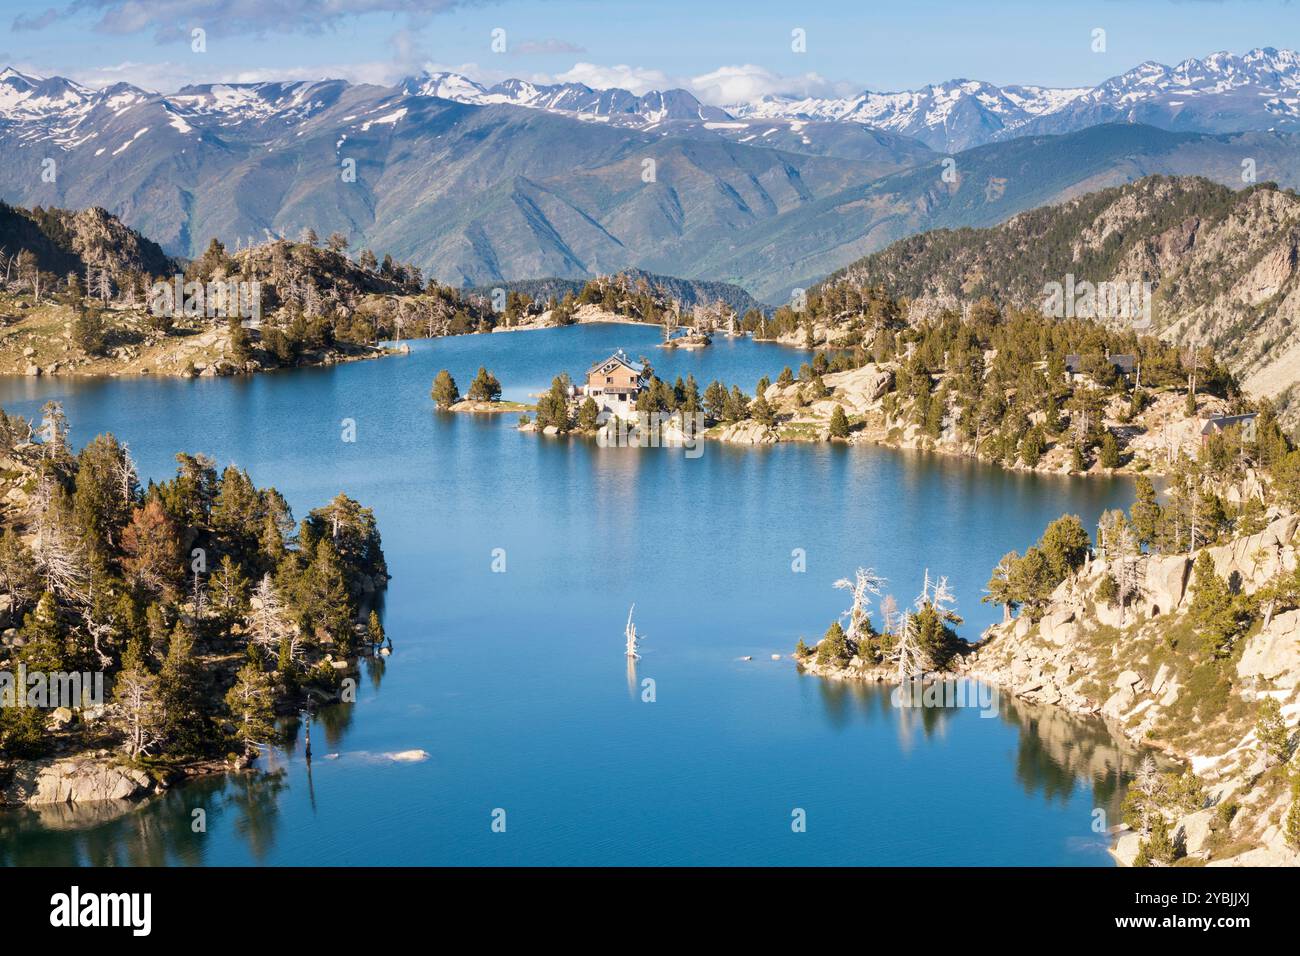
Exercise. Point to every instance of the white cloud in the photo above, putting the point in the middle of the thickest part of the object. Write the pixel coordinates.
(167, 77)
(170, 20)
(633, 78)
(742, 84)
(726, 84)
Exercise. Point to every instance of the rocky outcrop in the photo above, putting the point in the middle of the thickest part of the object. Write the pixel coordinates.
(1273, 655)
(746, 433)
(73, 780)
(1166, 583)
(1090, 658)
(1249, 563)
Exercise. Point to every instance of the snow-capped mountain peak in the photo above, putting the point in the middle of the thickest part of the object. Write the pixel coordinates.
(449, 86)
(609, 105)
(24, 97)
(1220, 92)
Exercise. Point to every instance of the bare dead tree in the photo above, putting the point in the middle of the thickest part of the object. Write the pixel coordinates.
(633, 639)
(138, 711)
(865, 584)
(267, 620)
(126, 476)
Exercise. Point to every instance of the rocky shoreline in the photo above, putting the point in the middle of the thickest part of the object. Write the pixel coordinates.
(1094, 660)
(862, 393)
(40, 341)
(79, 775)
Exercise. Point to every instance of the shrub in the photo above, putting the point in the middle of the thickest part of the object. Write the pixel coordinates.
(90, 332)
(1108, 590)
(1160, 846)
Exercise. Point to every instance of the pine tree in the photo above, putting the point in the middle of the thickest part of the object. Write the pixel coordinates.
(1160, 846)
(691, 402)
(485, 387)
(322, 601)
(99, 506)
(236, 515)
(553, 407)
(90, 331)
(715, 401)
(267, 619)
(839, 423)
(588, 415)
(287, 664)
(240, 341)
(19, 578)
(22, 729)
(46, 648)
(833, 648)
(1065, 545)
(375, 629)
(1000, 589)
(229, 589)
(1146, 512)
(1291, 827)
(736, 407)
(1272, 732)
(249, 700)
(1213, 611)
(1031, 447)
(1109, 457)
(444, 390)
(152, 547)
(183, 723)
(1078, 462)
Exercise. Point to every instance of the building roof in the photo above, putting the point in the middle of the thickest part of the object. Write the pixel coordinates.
(1219, 422)
(1125, 363)
(621, 358)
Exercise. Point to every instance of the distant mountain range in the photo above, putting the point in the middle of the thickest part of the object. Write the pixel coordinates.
(479, 185)
(1222, 93)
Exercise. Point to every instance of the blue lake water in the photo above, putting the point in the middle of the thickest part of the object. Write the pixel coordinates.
(515, 683)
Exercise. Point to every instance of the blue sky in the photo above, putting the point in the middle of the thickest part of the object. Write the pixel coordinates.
(723, 50)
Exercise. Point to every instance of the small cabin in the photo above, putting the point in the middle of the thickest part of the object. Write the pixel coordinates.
(1125, 366)
(614, 384)
(1221, 423)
